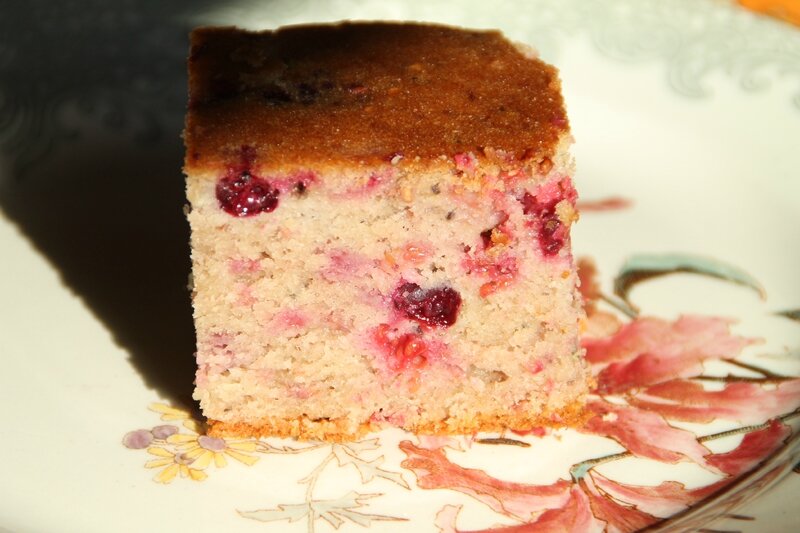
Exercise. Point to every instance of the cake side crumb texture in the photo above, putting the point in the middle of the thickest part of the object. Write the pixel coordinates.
(380, 220)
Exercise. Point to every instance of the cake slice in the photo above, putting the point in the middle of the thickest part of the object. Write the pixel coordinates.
(380, 222)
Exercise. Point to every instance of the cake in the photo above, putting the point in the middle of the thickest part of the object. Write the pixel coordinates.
(380, 218)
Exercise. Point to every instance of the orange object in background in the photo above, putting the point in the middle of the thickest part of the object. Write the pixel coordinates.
(788, 10)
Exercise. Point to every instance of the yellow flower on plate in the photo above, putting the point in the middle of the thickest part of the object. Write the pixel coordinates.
(201, 450)
(174, 464)
(169, 412)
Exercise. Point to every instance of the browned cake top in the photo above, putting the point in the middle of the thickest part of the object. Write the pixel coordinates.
(366, 92)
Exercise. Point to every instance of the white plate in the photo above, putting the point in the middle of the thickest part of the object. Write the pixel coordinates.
(689, 109)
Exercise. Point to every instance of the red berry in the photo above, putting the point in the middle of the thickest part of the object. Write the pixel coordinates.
(436, 307)
(409, 352)
(403, 352)
(486, 237)
(244, 195)
(532, 206)
(551, 240)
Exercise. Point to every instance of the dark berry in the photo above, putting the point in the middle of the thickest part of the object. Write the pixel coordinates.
(532, 206)
(551, 239)
(300, 188)
(550, 234)
(245, 195)
(486, 237)
(436, 307)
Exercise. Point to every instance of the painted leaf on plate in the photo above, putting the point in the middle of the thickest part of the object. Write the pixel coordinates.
(647, 266)
(522, 501)
(368, 470)
(612, 203)
(644, 434)
(650, 350)
(292, 513)
(575, 516)
(747, 403)
(335, 512)
(620, 518)
(665, 499)
(755, 446)
(670, 497)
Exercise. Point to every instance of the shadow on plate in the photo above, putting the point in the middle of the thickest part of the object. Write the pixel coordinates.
(91, 102)
(109, 217)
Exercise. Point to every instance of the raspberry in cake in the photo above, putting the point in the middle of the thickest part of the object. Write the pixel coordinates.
(380, 220)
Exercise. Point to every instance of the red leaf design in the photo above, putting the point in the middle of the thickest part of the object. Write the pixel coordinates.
(692, 335)
(574, 517)
(661, 500)
(671, 497)
(620, 518)
(446, 519)
(612, 203)
(748, 403)
(648, 350)
(644, 370)
(754, 448)
(644, 434)
(518, 500)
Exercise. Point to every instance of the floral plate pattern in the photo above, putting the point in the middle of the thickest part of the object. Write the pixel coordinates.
(650, 372)
(686, 117)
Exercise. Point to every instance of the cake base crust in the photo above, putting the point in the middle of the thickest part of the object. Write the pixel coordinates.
(340, 430)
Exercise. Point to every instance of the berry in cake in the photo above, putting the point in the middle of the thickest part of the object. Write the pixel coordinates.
(380, 220)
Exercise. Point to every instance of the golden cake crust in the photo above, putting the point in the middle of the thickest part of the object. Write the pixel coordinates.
(365, 93)
(303, 428)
